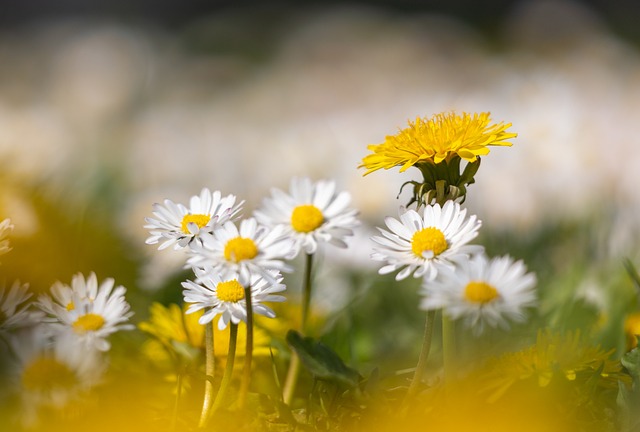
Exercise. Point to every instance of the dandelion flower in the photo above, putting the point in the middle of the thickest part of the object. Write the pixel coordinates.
(311, 213)
(632, 330)
(250, 249)
(176, 225)
(87, 311)
(482, 292)
(224, 294)
(438, 139)
(424, 244)
(15, 311)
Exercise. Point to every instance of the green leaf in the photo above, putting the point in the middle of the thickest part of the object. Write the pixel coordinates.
(321, 361)
(631, 361)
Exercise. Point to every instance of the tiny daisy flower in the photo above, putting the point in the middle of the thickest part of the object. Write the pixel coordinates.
(224, 294)
(252, 248)
(438, 139)
(47, 373)
(15, 310)
(176, 225)
(311, 213)
(88, 311)
(424, 244)
(482, 292)
(5, 229)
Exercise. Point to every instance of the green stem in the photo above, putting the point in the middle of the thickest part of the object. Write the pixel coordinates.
(421, 367)
(448, 348)
(209, 372)
(176, 404)
(294, 365)
(248, 356)
(228, 370)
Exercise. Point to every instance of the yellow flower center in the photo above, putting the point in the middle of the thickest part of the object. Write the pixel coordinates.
(70, 306)
(240, 248)
(230, 291)
(306, 218)
(198, 219)
(480, 292)
(428, 239)
(88, 322)
(47, 373)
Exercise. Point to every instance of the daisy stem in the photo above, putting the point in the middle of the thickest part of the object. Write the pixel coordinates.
(248, 357)
(209, 372)
(421, 367)
(294, 365)
(228, 370)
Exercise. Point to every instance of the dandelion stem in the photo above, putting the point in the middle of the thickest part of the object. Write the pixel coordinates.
(228, 370)
(248, 357)
(422, 359)
(209, 372)
(294, 365)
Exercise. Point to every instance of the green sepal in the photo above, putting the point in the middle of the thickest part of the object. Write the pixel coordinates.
(321, 361)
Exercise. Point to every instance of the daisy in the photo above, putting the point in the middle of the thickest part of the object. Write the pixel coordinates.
(88, 311)
(176, 225)
(424, 244)
(47, 373)
(5, 229)
(252, 248)
(311, 213)
(438, 139)
(224, 294)
(15, 311)
(482, 292)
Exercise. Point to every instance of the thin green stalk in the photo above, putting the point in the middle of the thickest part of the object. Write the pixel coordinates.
(448, 348)
(228, 370)
(176, 404)
(209, 372)
(248, 356)
(294, 365)
(421, 367)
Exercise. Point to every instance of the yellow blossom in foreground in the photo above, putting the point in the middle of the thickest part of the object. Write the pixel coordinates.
(438, 139)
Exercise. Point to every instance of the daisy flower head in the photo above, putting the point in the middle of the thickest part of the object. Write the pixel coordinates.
(311, 213)
(250, 248)
(438, 139)
(482, 292)
(86, 310)
(176, 225)
(424, 244)
(15, 309)
(225, 294)
(5, 229)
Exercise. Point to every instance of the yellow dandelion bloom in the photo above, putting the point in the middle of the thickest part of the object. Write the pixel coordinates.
(438, 139)
(632, 330)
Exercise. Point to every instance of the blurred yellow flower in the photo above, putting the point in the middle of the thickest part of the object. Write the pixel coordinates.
(632, 329)
(438, 139)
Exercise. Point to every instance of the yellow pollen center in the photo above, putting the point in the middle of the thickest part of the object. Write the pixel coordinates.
(428, 239)
(88, 322)
(198, 219)
(480, 292)
(230, 291)
(240, 248)
(47, 373)
(306, 218)
(70, 306)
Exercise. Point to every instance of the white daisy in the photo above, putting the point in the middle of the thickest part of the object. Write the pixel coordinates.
(176, 225)
(15, 310)
(425, 244)
(482, 292)
(47, 373)
(5, 229)
(88, 311)
(251, 249)
(224, 294)
(312, 213)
